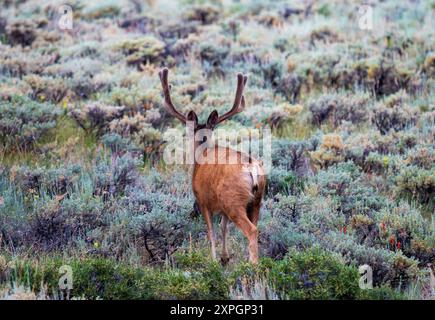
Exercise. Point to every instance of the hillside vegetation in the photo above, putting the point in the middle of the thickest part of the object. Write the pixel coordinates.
(82, 177)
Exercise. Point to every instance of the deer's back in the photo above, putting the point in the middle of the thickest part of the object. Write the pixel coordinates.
(221, 186)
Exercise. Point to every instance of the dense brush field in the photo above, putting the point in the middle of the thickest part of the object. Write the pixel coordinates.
(83, 182)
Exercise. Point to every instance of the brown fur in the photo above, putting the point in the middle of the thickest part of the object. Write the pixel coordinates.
(221, 187)
(229, 189)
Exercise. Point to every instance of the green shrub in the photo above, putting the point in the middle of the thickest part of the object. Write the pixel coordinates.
(292, 155)
(33, 273)
(416, 183)
(55, 224)
(394, 113)
(92, 278)
(104, 9)
(46, 88)
(388, 267)
(111, 178)
(95, 117)
(314, 275)
(290, 87)
(144, 50)
(212, 273)
(281, 180)
(382, 164)
(206, 14)
(280, 227)
(21, 32)
(103, 278)
(212, 54)
(106, 279)
(164, 226)
(272, 71)
(23, 122)
(382, 293)
(335, 108)
(421, 156)
(344, 182)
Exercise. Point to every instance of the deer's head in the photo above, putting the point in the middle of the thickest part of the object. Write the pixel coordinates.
(213, 119)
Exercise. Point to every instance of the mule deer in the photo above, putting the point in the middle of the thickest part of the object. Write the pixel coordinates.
(233, 189)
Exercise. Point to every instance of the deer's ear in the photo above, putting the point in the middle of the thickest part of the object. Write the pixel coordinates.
(212, 119)
(191, 116)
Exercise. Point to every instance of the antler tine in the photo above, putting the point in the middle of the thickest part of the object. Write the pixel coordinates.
(239, 101)
(242, 101)
(169, 106)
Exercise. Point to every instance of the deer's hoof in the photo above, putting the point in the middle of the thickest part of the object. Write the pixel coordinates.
(225, 260)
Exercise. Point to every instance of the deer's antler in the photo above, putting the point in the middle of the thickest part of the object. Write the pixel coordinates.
(169, 106)
(239, 101)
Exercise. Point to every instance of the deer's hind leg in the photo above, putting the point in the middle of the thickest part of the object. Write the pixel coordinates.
(253, 211)
(224, 228)
(249, 230)
(207, 214)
